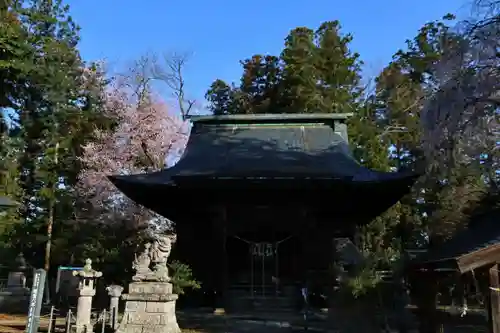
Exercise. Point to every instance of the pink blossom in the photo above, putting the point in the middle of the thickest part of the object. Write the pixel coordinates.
(144, 135)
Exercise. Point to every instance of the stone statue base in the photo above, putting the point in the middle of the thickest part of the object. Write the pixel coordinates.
(149, 308)
(14, 300)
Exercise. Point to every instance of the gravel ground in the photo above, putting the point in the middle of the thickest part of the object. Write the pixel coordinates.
(208, 323)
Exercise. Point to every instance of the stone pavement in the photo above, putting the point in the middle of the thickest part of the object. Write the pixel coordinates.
(208, 322)
(226, 324)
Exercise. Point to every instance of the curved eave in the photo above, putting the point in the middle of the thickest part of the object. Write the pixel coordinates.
(166, 197)
(164, 179)
(153, 195)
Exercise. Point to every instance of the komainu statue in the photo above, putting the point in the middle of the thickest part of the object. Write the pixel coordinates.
(141, 264)
(156, 255)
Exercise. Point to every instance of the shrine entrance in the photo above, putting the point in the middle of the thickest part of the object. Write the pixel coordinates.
(263, 266)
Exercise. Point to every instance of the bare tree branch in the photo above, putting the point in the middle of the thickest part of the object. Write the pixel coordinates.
(460, 114)
(171, 72)
(167, 69)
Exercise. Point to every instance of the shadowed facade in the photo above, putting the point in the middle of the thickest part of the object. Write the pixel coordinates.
(258, 199)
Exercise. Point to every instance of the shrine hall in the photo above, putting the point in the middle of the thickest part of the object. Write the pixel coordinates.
(259, 201)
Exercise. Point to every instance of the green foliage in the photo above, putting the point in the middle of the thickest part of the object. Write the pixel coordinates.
(427, 48)
(182, 278)
(299, 72)
(55, 104)
(363, 282)
(221, 97)
(9, 184)
(338, 68)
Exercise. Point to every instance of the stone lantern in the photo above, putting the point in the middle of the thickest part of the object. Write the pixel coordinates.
(15, 296)
(86, 289)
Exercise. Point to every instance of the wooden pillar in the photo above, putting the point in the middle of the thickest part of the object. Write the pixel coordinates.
(494, 300)
(221, 280)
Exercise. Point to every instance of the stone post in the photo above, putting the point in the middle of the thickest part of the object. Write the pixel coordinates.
(114, 292)
(86, 288)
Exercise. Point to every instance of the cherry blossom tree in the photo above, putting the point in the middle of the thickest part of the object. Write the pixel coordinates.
(142, 136)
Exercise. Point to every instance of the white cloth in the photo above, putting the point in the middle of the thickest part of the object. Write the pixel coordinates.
(304, 293)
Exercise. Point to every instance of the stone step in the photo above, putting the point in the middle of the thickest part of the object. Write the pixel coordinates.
(249, 285)
(266, 290)
(264, 299)
(264, 310)
(260, 304)
(257, 293)
(271, 309)
(261, 309)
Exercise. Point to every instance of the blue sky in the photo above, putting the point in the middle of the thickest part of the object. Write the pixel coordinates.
(220, 33)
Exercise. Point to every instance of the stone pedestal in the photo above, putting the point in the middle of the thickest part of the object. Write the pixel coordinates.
(149, 308)
(16, 280)
(83, 311)
(114, 292)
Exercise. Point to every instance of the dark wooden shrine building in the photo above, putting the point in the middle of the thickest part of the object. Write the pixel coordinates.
(472, 254)
(258, 199)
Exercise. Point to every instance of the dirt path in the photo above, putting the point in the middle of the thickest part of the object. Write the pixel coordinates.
(8, 329)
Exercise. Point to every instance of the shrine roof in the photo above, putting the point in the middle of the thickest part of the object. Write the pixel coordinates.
(260, 145)
(471, 248)
(291, 145)
(271, 118)
(302, 155)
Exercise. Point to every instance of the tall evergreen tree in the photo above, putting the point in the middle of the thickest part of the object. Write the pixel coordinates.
(221, 97)
(300, 77)
(55, 106)
(261, 85)
(338, 69)
(315, 72)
